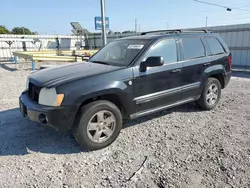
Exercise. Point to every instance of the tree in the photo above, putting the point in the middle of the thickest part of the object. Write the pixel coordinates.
(110, 32)
(128, 32)
(94, 34)
(4, 30)
(22, 30)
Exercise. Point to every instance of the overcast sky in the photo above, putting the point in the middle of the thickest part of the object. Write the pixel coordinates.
(54, 16)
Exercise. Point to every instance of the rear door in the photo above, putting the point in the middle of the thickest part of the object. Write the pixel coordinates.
(159, 86)
(195, 61)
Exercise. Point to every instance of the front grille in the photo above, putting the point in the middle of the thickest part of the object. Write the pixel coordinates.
(33, 92)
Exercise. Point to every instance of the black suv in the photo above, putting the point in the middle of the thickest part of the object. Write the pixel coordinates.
(128, 78)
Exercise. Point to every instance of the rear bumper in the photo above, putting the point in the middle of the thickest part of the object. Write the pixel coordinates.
(227, 77)
(60, 118)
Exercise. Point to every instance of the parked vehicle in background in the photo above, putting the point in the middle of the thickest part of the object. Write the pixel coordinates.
(129, 78)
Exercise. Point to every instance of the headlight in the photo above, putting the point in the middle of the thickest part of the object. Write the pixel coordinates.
(49, 97)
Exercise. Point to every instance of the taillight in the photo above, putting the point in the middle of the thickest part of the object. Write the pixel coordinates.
(229, 61)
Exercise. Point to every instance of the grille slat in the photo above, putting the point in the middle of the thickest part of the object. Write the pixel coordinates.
(34, 92)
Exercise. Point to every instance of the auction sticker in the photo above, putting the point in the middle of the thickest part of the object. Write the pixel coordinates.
(135, 46)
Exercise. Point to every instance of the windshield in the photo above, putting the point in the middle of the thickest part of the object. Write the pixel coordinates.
(120, 52)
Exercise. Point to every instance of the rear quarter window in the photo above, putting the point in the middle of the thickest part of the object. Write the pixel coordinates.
(193, 48)
(214, 46)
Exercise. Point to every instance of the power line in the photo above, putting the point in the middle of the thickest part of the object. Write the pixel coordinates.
(203, 11)
(144, 23)
(222, 6)
(241, 9)
(204, 2)
(232, 21)
(236, 6)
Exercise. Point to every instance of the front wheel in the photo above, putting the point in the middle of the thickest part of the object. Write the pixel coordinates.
(98, 125)
(210, 95)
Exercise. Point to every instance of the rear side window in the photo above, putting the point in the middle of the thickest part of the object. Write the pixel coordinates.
(215, 46)
(193, 48)
(167, 49)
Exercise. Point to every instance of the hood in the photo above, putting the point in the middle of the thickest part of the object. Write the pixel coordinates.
(66, 73)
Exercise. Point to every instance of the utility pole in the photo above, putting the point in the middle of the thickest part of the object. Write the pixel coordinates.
(104, 36)
(206, 21)
(135, 25)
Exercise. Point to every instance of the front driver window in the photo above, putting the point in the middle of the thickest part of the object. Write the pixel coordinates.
(167, 49)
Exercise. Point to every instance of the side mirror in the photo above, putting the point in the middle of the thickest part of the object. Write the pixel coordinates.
(153, 61)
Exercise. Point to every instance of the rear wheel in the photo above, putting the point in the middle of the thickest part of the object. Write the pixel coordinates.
(210, 95)
(98, 125)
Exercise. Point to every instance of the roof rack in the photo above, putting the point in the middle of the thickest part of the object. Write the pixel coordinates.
(177, 31)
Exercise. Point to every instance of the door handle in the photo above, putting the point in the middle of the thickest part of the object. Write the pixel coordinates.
(206, 64)
(175, 71)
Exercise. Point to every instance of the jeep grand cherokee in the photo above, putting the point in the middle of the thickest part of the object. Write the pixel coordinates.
(126, 79)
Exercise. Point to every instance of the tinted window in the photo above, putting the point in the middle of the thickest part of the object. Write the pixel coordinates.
(215, 46)
(193, 48)
(166, 49)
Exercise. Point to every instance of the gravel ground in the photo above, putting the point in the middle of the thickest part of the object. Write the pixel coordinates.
(180, 147)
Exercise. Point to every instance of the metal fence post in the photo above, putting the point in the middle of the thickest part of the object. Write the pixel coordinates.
(15, 59)
(33, 63)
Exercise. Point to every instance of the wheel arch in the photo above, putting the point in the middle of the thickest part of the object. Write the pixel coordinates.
(219, 76)
(216, 71)
(115, 95)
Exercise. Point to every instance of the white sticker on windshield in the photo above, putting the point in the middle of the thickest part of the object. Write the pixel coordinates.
(135, 46)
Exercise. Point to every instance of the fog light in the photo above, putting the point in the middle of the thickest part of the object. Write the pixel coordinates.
(43, 119)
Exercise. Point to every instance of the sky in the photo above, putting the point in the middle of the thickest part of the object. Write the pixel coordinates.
(54, 16)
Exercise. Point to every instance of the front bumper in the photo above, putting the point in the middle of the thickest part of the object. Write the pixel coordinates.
(60, 118)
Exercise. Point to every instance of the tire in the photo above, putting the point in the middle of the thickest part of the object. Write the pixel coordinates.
(204, 102)
(106, 121)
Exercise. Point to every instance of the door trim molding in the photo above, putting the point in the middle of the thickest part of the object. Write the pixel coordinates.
(191, 86)
(165, 93)
(153, 110)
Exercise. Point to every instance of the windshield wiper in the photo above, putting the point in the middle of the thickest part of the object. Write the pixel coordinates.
(101, 62)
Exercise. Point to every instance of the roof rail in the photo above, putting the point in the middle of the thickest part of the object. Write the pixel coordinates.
(161, 31)
(196, 30)
(177, 31)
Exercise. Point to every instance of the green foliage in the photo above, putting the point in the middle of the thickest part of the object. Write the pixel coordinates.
(22, 30)
(17, 31)
(93, 34)
(110, 32)
(128, 32)
(4, 30)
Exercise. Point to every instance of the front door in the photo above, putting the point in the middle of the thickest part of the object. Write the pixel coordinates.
(159, 86)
